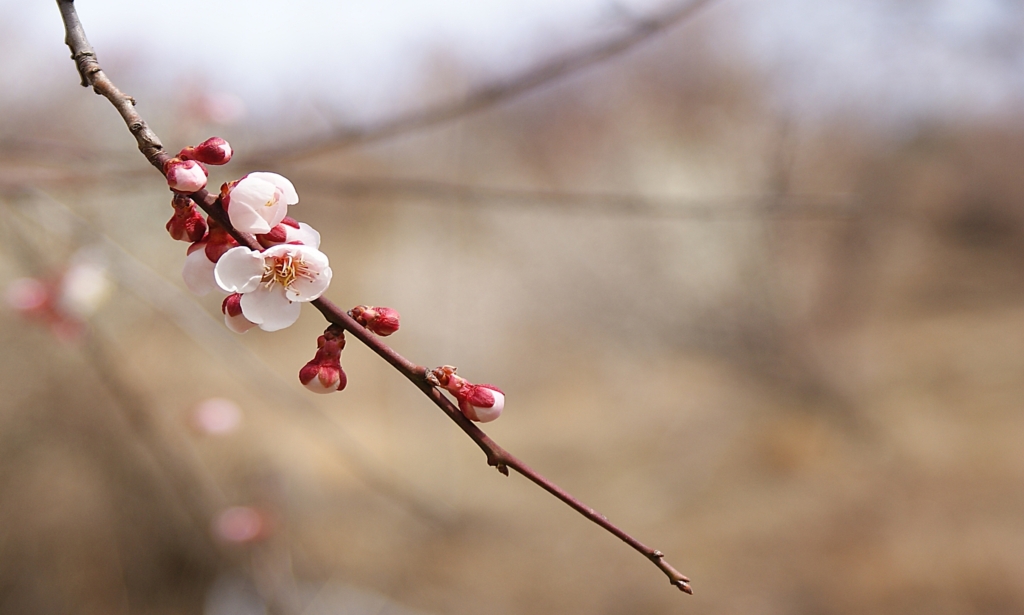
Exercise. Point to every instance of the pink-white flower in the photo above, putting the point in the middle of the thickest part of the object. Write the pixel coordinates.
(258, 202)
(185, 176)
(275, 282)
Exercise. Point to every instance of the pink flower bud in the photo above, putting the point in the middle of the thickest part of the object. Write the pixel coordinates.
(324, 373)
(481, 402)
(211, 151)
(185, 176)
(187, 224)
(478, 402)
(381, 320)
(233, 318)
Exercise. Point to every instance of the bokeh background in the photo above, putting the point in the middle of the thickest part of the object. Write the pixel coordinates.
(754, 288)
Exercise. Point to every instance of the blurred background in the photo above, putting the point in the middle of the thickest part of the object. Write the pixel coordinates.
(751, 276)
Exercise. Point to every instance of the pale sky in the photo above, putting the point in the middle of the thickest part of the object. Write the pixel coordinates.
(903, 57)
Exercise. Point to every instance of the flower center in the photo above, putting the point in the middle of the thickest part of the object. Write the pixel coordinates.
(284, 270)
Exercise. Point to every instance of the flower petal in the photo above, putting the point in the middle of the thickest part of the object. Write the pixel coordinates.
(198, 273)
(239, 270)
(270, 309)
(253, 203)
(305, 235)
(290, 196)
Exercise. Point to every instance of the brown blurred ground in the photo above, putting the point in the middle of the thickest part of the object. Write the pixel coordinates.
(793, 363)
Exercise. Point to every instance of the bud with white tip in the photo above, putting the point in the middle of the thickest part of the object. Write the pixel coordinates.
(233, 317)
(186, 176)
(324, 373)
(214, 151)
(478, 402)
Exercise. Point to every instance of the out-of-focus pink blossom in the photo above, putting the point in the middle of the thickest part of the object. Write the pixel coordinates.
(241, 525)
(216, 416)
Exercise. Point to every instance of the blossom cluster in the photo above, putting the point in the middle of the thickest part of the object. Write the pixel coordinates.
(266, 287)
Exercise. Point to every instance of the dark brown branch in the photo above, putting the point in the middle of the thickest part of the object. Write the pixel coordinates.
(498, 457)
(491, 95)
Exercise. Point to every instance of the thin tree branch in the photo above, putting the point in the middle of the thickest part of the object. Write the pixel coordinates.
(800, 206)
(498, 457)
(490, 95)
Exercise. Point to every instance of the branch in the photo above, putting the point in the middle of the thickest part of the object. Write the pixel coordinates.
(494, 94)
(800, 206)
(150, 146)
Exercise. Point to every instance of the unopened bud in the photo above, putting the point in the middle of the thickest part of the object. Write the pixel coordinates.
(477, 402)
(324, 373)
(381, 320)
(481, 402)
(185, 176)
(233, 318)
(211, 151)
(187, 224)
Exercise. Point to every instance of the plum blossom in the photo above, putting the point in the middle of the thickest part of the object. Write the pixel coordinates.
(258, 202)
(274, 283)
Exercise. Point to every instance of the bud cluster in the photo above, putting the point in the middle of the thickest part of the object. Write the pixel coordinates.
(266, 287)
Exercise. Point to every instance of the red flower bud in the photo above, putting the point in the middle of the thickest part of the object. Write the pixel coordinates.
(187, 224)
(380, 320)
(324, 373)
(477, 402)
(211, 151)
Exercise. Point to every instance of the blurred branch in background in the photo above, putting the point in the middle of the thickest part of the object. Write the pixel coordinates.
(638, 31)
